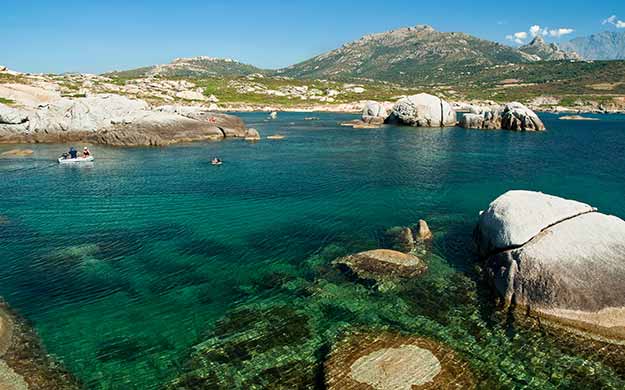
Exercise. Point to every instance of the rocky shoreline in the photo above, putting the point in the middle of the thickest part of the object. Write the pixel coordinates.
(24, 363)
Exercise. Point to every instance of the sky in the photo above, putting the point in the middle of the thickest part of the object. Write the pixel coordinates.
(97, 36)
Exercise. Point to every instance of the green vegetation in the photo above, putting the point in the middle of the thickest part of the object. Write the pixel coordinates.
(11, 78)
(6, 101)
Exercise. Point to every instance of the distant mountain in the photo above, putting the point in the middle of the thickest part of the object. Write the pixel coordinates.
(192, 67)
(544, 51)
(410, 55)
(606, 45)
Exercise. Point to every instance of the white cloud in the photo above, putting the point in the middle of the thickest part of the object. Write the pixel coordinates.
(557, 33)
(613, 20)
(520, 35)
(535, 30)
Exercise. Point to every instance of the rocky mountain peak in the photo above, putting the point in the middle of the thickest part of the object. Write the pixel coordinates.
(538, 40)
(547, 51)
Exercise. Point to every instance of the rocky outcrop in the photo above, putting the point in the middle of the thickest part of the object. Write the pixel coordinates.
(389, 361)
(558, 259)
(230, 125)
(407, 239)
(252, 135)
(11, 116)
(516, 116)
(577, 118)
(547, 51)
(423, 232)
(374, 113)
(422, 110)
(511, 116)
(472, 121)
(24, 364)
(115, 120)
(382, 265)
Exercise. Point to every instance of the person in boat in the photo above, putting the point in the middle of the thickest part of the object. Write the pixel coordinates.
(72, 152)
(85, 152)
(216, 160)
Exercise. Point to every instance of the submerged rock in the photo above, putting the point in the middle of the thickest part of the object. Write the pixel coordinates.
(24, 364)
(390, 361)
(423, 110)
(17, 153)
(558, 259)
(253, 348)
(399, 238)
(577, 118)
(407, 239)
(382, 264)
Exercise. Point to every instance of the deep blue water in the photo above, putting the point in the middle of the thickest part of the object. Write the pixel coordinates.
(124, 265)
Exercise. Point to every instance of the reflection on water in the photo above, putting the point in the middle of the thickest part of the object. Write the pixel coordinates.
(125, 265)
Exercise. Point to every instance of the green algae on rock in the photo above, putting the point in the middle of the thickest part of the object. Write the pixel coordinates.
(388, 361)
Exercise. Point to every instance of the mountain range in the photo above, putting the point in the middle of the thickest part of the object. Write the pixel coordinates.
(411, 55)
(606, 45)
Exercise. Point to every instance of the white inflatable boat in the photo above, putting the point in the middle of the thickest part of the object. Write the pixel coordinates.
(76, 160)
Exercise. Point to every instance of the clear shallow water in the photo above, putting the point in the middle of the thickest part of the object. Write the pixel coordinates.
(124, 265)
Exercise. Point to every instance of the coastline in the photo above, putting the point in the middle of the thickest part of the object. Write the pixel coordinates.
(24, 362)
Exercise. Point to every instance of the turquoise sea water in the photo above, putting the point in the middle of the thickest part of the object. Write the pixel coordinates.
(124, 265)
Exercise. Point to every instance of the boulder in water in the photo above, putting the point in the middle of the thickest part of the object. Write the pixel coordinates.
(374, 113)
(381, 265)
(423, 110)
(516, 116)
(558, 259)
(423, 232)
(252, 135)
(389, 361)
(512, 116)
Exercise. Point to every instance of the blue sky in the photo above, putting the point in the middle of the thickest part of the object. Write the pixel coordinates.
(97, 36)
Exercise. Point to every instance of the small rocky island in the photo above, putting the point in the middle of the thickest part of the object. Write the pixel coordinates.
(425, 110)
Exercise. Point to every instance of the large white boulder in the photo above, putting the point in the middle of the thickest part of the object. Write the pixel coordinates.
(516, 217)
(558, 259)
(516, 116)
(423, 110)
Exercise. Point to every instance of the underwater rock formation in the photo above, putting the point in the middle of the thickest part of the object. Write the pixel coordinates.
(24, 364)
(558, 259)
(388, 361)
(407, 239)
(382, 265)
